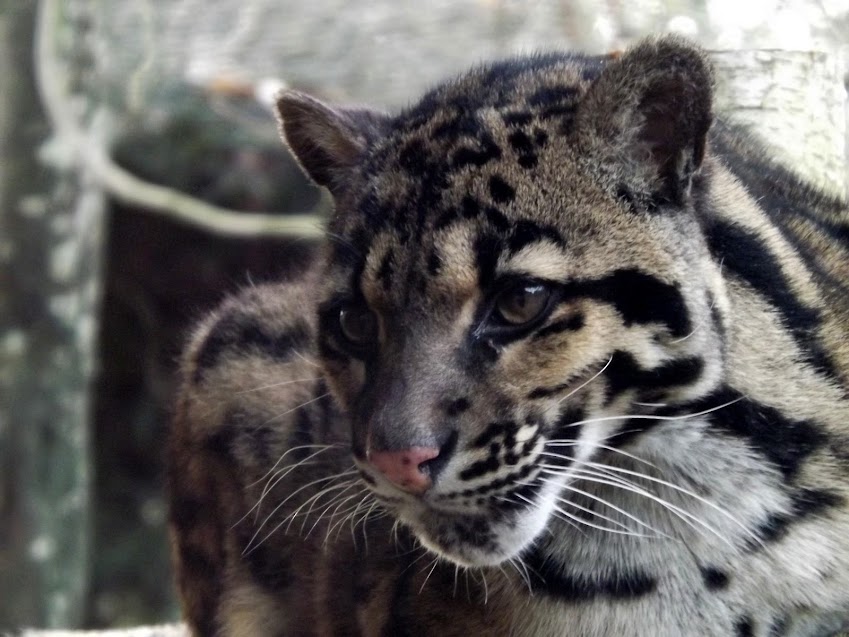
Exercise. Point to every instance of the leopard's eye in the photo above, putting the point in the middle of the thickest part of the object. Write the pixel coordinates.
(358, 324)
(522, 303)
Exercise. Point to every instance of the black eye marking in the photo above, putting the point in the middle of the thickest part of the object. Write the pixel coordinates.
(457, 407)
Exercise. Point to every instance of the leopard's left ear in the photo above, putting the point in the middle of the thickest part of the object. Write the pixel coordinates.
(327, 140)
(647, 116)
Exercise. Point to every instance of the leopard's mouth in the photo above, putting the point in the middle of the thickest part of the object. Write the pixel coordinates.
(484, 535)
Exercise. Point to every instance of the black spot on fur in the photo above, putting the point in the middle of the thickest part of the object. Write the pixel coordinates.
(553, 94)
(528, 161)
(500, 190)
(540, 137)
(412, 158)
(457, 407)
(497, 219)
(715, 579)
(550, 578)
(468, 156)
(517, 118)
(565, 111)
(744, 627)
(521, 143)
(527, 232)
(470, 207)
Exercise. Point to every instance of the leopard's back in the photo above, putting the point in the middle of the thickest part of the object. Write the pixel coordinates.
(411, 442)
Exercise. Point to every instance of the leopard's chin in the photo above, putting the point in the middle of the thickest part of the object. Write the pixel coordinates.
(474, 540)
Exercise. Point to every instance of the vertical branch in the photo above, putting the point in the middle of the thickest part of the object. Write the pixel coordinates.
(51, 224)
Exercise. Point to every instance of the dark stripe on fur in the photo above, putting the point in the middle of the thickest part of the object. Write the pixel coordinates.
(301, 436)
(399, 623)
(565, 429)
(527, 232)
(550, 578)
(494, 485)
(241, 335)
(494, 430)
(805, 503)
(487, 250)
(268, 566)
(625, 373)
(200, 573)
(783, 441)
(746, 255)
(639, 298)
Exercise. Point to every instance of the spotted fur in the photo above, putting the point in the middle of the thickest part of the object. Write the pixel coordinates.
(662, 450)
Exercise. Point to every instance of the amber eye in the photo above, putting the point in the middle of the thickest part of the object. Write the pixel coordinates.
(522, 303)
(358, 324)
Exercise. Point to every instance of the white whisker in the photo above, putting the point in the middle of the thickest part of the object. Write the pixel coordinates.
(273, 385)
(585, 383)
(289, 411)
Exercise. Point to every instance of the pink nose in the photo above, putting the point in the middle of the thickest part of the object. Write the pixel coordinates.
(404, 468)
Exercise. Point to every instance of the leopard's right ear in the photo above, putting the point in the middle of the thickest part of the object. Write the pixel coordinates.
(328, 141)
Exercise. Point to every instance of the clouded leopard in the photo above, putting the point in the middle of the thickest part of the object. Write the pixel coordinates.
(574, 361)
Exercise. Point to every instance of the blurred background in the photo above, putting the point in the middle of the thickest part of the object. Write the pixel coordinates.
(141, 180)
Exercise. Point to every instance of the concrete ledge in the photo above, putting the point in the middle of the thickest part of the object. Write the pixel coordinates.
(165, 630)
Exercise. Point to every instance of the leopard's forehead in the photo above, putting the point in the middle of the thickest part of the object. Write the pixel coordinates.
(480, 165)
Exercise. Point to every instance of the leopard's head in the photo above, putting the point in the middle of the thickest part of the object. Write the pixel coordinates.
(514, 271)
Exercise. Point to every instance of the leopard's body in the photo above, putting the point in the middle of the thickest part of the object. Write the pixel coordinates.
(613, 343)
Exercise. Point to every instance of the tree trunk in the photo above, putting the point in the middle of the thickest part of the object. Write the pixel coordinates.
(51, 231)
(795, 101)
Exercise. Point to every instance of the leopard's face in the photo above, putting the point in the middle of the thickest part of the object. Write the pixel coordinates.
(502, 303)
